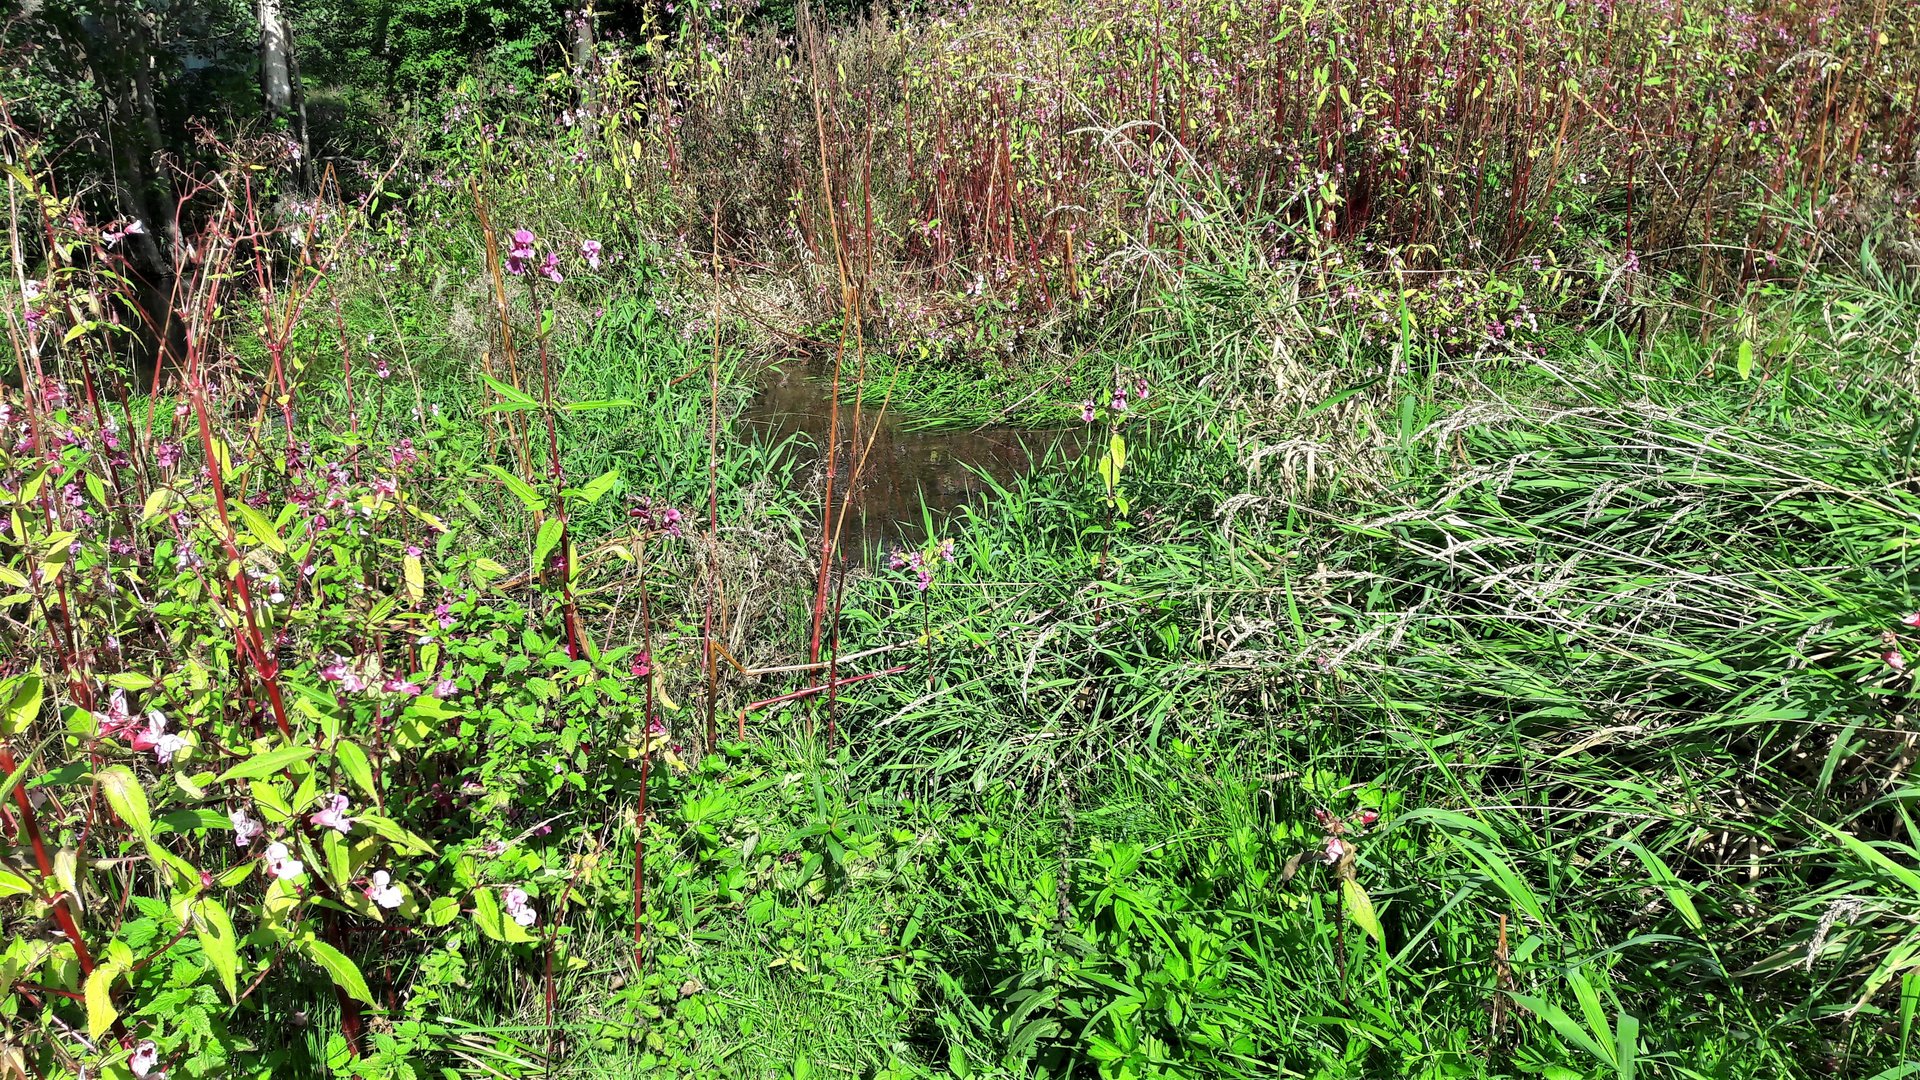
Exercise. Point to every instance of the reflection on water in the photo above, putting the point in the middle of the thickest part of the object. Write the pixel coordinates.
(904, 469)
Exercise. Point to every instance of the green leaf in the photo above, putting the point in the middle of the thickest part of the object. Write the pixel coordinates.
(1743, 362)
(548, 539)
(12, 884)
(344, 973)
(215, 930)
(406, 842)
(99, 994)
(128, 799)
(528, 497)
(262, 765)
(260, 527)
(19, 774)
(599, 486)
(1569, 1029)
(353, 761)
(1360, 909)
(443, 911)
(22, 695)
(509, 393)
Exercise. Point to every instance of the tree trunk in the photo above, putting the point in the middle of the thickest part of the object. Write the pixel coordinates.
(300, 118)
(276, 79)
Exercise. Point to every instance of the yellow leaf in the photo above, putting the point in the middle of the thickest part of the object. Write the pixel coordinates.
(100, 1011)
(416, 579)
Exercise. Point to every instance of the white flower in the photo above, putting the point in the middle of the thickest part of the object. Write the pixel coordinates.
(517, 906)
(167, 746)
(382, 891)
(244, 827)
(145, 1057)
(281, 863)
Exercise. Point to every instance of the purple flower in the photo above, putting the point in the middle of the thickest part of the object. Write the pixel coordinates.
(333, 815)
(590, 251)
(493, 848)
(642, 666)
(398, 685)
(550, 268)
(445, 688)
(1086, 411)
(404, 455)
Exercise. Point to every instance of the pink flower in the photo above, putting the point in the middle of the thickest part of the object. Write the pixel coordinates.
(493, 848)
(924, 580)
(550, 268)
(1366, 817)
(1334, 850)
(244, 827)
(333, 815)
(398, 685)
(1086, 411)
(946, 550)
(1894, 660)
(1911, 620)
(590, 251)
(382, 891)
(166, 454)
(145, 1057)
(281, 863)
(445, 689)
(1119, 403)
(148, 737)
(517, 906)
(642, 666)
(521, 252)
(117, 719)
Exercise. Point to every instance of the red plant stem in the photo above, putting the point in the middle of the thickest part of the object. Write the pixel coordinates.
(827, 532)
(640, 814)
(823, 687)
(62, 907)
(249, 641)
(713, 499)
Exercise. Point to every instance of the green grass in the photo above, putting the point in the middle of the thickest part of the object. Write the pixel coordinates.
(1597, 637)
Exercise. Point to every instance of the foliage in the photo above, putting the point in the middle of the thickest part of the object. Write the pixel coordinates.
(1463, 628)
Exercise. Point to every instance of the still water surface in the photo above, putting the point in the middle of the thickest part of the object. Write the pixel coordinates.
(906, 469)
